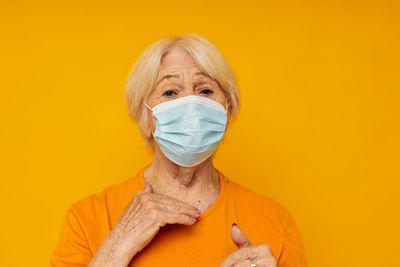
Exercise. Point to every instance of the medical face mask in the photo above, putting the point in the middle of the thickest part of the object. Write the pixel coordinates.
(189, 129)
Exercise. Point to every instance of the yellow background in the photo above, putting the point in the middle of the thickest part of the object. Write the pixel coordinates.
(318, 130)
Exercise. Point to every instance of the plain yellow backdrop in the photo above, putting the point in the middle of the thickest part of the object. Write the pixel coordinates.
(318, 129)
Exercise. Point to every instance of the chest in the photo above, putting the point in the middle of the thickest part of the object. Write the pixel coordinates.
(205, 244)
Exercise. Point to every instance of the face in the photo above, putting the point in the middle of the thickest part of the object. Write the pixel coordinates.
(180, 76)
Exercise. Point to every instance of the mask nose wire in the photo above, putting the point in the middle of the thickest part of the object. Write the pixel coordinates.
(226, 106)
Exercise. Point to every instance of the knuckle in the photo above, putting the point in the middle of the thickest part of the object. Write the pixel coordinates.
(148, 205)
(179, 218)
(236, 256)
(139, 194)
(174, 206)
(265, 248)
(144, 197)
(153, 214)
(240, 254)
(187, 219)
(271, 262)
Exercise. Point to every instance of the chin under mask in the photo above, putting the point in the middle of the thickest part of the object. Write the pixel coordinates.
(189, 129)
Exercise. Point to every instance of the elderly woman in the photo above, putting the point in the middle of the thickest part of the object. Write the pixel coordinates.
(180, 210)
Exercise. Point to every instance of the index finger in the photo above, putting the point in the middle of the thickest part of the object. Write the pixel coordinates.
(175, 205)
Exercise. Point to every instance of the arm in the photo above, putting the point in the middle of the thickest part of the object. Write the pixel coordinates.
(72, 248)
(293, 253)
(142, 218)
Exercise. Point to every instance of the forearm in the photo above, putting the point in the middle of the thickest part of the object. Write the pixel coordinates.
(113, 252)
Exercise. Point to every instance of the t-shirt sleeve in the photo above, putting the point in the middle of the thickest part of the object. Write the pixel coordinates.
(72, 248)
(293, 254)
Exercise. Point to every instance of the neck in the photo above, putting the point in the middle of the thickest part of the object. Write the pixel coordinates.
(197, 185)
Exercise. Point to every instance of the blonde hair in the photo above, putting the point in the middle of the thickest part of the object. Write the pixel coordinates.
(143, 76)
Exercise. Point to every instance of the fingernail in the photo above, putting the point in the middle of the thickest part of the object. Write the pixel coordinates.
(197, 211)
(194, 220)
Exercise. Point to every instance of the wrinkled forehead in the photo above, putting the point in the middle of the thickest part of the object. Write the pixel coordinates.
(179, 62)
(178, 59)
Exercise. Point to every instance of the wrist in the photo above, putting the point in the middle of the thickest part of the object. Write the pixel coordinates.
(115, 251)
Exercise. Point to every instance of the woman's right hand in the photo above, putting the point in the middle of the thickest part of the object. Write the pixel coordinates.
(140, 221)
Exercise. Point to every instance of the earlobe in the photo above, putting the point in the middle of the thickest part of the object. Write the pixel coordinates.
(144, 123)
(228, 115)
(147, 126)
(149, 133)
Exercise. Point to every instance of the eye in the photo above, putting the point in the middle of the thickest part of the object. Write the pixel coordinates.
(206, 91)
(169, 93)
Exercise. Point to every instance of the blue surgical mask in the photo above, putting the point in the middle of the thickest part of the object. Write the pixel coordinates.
(189, 129)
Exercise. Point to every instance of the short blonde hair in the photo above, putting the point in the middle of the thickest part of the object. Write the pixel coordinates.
(143, 76)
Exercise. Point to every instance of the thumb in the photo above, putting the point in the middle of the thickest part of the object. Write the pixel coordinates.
(238, 237)
(148, 188)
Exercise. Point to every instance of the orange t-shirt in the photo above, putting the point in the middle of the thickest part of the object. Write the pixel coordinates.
(205, 243)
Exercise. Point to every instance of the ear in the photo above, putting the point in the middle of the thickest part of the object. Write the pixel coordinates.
(228, 113)
(143, 119)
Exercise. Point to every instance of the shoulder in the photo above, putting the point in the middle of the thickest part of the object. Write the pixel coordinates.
(89, 220)
(106, 206)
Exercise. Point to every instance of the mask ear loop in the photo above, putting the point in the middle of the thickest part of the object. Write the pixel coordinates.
(151, 111)
(147, 106)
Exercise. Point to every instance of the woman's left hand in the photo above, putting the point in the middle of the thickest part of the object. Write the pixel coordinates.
(248, 254)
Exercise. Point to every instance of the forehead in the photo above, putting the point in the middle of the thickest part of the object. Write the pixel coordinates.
(178, 58)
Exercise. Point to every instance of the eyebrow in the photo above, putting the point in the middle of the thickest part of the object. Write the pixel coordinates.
(168, 76)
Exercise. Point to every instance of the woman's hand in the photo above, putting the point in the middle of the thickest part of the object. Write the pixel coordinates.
(139, 223)
(246, 254)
